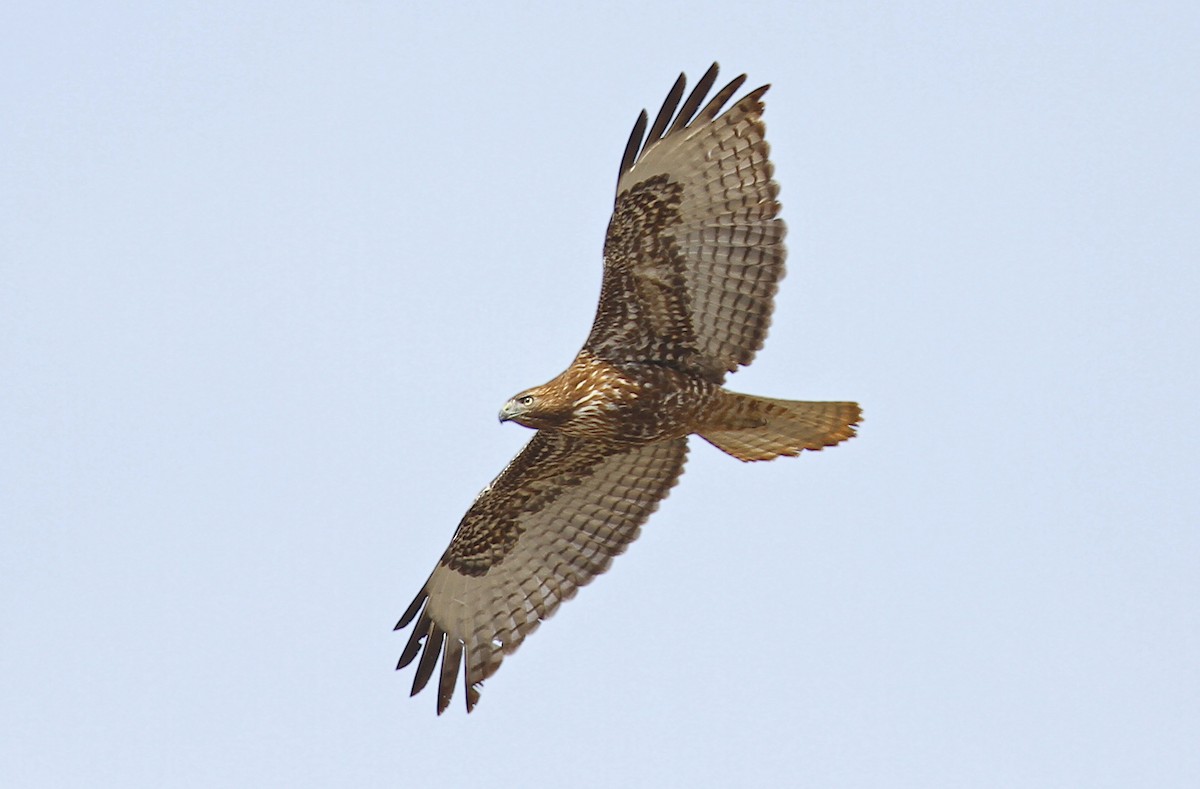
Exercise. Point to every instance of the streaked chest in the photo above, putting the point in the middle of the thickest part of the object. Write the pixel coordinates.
(638, 403)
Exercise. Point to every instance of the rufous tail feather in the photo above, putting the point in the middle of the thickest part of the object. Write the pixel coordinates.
(762, 428)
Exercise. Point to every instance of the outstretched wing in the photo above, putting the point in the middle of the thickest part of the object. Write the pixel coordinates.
(694, 251)
(550, 522)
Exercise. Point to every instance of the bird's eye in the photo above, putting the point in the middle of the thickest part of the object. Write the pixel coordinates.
(525, 400)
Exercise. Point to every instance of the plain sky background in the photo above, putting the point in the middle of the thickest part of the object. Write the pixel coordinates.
(267, 272)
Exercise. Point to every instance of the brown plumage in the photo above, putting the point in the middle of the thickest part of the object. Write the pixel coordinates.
(692, 260)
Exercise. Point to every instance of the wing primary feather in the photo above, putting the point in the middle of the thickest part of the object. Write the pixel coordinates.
(634, 145)
(414, 640)
(412, 648)
(471, 681)
(433, 647)
(688, 110)
(718, 101)
(412, 610)
(756, 94)
(668, 110)
(450, 664)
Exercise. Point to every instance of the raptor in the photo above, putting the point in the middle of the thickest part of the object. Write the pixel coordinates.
(692, 259)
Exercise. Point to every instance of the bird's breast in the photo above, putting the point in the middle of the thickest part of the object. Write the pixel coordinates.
(634, 402)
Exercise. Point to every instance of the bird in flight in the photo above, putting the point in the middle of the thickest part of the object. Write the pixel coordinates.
(692, 260)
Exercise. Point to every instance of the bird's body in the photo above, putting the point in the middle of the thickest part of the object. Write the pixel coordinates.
(628, 403)
(692, 259)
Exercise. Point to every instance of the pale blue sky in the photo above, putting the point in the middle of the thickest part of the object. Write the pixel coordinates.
(267, 271)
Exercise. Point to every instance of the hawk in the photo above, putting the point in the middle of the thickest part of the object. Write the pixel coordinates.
(692, 259)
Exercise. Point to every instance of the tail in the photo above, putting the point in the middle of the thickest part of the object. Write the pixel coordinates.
(760, 428)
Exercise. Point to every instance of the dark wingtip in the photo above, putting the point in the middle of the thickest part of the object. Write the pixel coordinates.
(688, 111)
(433, 648)
(673, 117)
(633, 145)
(412, 610)
(451, 662)
(413, 646)
(757, 93)
(667, 111)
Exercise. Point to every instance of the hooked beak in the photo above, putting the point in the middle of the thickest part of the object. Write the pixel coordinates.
(508, 412)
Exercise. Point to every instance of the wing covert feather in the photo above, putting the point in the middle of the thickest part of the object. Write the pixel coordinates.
(552, 521)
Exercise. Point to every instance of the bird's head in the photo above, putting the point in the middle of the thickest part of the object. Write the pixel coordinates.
(538, 407)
